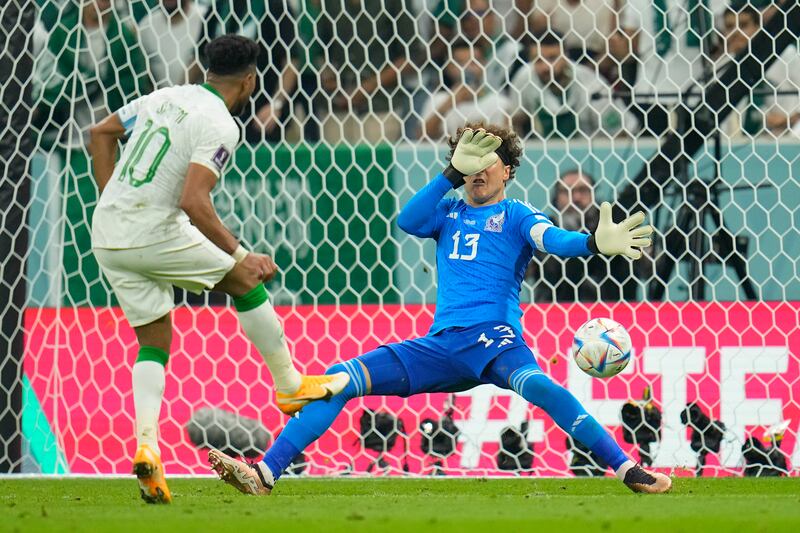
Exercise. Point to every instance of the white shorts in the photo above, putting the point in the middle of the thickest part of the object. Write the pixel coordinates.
(142, 278)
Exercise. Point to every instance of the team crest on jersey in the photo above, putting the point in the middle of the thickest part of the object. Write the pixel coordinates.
(221, 157)
(495, 223)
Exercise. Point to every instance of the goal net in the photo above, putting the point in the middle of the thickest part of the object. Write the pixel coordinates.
(687, 109)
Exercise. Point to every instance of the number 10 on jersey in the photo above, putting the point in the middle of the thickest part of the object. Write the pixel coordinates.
(470, 242)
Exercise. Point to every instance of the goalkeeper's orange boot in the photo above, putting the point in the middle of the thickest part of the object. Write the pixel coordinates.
(640, 480)
(150, 473)
(312, 388)
(253, 479)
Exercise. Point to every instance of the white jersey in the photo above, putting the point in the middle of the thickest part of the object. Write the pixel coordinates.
(169, 129)
(587, 96)
(669, 55)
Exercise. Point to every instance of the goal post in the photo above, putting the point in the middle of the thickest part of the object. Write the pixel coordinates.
(351, 118)
(16, 66)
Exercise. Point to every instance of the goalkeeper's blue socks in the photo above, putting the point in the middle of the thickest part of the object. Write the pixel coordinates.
(532, 384)
(387, 377)
(313, 420)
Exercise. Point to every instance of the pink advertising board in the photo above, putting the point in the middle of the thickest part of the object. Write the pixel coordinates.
(741, 361)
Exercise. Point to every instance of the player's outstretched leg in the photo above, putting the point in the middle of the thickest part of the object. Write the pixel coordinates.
(531, 383)
(262, 326)
(376, 372)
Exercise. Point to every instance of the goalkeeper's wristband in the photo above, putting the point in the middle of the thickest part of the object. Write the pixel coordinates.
(239, 254)
(592, 245)
(453, 176)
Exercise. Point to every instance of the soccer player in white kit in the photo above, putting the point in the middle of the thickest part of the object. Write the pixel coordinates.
(155, 226)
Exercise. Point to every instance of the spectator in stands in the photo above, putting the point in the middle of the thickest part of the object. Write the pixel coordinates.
(368, 52)
(281, 89)
(90, 66)
(561, 98)
(169, 35)
(768, 107)
(495, 27)
(472, 20)
(591, 32)
(672, 51)
(581, 280)
(465, 97)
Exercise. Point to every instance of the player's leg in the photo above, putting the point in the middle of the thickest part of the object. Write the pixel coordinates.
(149, 376)
(379, 372)
(147, 305)
(263, 327)
(517, 369)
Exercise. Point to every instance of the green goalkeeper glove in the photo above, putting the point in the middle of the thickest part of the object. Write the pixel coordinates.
(626, 238)
(474, 153)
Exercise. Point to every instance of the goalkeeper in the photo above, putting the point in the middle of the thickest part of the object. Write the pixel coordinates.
(155, 227)
(483, 245)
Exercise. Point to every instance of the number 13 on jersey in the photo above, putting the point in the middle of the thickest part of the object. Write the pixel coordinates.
(470, 242)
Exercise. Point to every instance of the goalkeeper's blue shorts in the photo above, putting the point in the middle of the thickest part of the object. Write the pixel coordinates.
(455, 359)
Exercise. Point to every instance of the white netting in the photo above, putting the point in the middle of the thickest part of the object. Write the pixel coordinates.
(689, 109)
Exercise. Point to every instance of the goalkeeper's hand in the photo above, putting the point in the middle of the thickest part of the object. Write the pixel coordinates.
(626, 238)
(474, 153)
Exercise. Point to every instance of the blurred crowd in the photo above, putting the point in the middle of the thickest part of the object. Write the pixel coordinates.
(357, 71)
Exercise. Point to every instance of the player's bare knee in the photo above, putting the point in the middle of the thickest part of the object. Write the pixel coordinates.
(239, 281)
(157, 333)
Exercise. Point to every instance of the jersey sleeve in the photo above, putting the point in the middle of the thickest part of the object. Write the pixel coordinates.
(213, 145)
(538, 230)
(425, 212)
(130, 112)
(529, 217)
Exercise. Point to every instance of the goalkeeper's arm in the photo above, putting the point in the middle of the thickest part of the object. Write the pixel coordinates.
(626, 238)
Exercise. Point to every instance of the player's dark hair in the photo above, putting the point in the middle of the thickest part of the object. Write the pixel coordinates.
(230, 55)
(509, 151)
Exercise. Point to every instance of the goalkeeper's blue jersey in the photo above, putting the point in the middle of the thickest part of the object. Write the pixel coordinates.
(481, 257)
(482, 253)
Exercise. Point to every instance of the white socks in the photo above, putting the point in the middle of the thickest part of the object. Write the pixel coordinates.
(263, 328)
(148, 390)
(622, 470)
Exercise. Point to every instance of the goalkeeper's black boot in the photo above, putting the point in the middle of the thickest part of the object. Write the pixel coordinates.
(640, 480)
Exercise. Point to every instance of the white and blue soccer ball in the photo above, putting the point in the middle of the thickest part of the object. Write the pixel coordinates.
(602, 347)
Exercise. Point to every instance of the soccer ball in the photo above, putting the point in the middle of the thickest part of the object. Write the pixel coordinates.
(602, 348)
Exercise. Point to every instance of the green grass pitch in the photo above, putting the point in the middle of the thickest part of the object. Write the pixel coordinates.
(383, 504)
